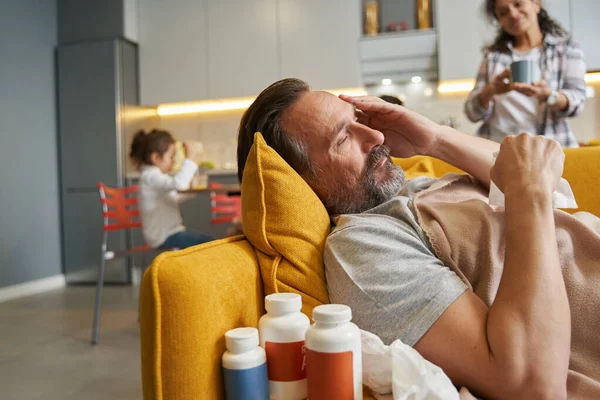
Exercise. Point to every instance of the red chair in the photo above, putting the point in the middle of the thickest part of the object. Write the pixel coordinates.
(120, 212)
(224, 208)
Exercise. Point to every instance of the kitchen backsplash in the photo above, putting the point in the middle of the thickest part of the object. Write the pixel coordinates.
(218, 131)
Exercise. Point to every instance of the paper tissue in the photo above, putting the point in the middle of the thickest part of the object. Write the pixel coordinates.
(561, 198)
(399, 372)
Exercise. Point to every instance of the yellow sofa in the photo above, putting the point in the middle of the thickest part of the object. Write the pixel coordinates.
(190, 298)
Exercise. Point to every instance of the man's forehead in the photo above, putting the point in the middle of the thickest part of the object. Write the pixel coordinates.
(318, 107)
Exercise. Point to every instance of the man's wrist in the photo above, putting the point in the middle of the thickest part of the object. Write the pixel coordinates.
(444, 136)
(529, 193)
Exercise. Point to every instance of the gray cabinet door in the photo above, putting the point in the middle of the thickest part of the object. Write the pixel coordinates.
(88, 107)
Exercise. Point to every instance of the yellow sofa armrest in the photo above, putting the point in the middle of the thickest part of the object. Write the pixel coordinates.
(188, 300)
(582, 170)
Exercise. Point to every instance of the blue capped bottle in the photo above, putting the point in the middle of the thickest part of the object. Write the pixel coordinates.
(245, 366)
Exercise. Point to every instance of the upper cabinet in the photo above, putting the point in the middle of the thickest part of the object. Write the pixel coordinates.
(210, 49)
(399, 56)
(173, 51)
(319, 41)
(80, 21)
(585, 17)
(242, 47)
(463, 30)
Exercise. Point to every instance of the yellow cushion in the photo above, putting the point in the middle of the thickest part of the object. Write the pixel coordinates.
(424, 166)
(287, 224)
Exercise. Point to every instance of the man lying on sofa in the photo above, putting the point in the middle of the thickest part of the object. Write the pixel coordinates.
(476, 290)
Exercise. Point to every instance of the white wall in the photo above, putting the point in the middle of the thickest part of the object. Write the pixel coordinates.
(29, 220)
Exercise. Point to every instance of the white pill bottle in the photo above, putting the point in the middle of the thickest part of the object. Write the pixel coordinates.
(282, 333)
(333, 355)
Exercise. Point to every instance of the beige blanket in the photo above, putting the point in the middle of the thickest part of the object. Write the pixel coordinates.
(468, 236)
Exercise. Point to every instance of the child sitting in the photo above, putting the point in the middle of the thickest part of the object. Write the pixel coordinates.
(162, 226)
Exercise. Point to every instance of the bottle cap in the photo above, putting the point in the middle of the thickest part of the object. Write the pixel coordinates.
(241, 340)
(283, 303)
(332, 314)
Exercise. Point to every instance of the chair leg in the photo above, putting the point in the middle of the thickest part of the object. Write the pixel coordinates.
(99, 287)
(129, 268)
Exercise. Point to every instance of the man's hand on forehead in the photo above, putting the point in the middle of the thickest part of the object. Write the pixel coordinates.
(406, 133)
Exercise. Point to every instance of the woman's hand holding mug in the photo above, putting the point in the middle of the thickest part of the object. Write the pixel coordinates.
(500, 84)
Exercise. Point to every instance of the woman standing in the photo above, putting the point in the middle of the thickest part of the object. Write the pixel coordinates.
(527, 32)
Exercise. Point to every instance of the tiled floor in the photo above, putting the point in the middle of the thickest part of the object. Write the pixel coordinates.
(45, 352)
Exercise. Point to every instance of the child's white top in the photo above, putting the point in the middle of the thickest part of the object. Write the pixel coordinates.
(159, 201)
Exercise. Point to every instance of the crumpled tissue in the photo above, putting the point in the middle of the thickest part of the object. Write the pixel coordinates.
(399, 372)
(562, 197)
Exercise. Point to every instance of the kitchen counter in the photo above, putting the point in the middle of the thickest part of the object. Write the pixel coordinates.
(210, 172)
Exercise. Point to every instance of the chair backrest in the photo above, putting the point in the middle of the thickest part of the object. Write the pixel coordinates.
(224, 208)
(119, 207)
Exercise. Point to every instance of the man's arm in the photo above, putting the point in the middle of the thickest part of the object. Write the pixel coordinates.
(472, 154)
(520, 346)
(407, 134)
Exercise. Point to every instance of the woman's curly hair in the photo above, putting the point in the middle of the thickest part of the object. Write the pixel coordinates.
(547, 25)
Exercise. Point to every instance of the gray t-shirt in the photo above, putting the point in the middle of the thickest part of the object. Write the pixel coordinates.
(381, 264)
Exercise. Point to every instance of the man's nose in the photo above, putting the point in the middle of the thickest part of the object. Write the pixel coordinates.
(369, 138)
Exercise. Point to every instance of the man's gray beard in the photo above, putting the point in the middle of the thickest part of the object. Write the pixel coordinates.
(367, 193)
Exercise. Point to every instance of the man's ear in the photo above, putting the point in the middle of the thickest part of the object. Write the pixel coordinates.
(155, 158)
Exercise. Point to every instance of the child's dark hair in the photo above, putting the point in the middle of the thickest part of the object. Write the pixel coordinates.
(144, 144)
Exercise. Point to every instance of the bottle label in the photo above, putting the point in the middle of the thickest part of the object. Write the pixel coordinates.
(329, 375)
(246, 384)
(285, 361)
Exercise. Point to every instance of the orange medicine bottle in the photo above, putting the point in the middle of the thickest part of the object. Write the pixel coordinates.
(333, 355)
(282, 332)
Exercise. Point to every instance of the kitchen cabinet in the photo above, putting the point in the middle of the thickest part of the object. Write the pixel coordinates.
(242, 47)
(80, 21)
(585, 17)
(211, 49)
(319, 41)
(173, 51)
(463, 30)
(399, 56)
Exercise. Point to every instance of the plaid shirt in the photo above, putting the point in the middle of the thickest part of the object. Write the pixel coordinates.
(563, 68)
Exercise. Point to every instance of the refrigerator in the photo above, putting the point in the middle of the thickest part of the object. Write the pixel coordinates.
(97, 89)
